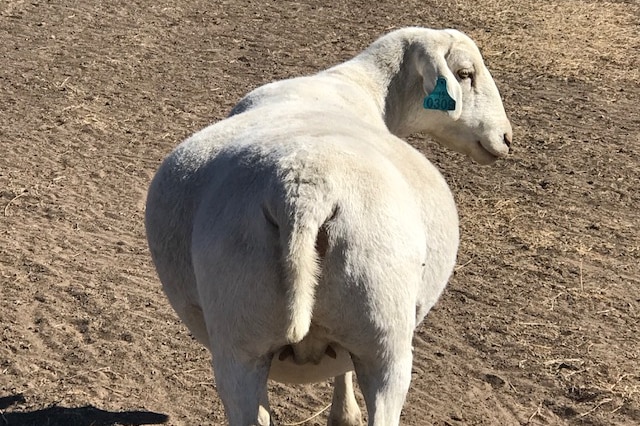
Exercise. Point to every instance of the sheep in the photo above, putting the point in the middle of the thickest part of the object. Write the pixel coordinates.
(301, 238)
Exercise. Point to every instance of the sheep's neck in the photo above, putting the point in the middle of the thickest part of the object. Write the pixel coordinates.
(364, 77)
(387, 75)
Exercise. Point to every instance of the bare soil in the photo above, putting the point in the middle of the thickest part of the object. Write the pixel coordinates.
(540, 324)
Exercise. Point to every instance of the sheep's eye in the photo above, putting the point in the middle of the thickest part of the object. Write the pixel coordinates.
(464, 74)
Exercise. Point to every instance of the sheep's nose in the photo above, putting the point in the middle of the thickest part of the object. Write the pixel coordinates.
(507, 140)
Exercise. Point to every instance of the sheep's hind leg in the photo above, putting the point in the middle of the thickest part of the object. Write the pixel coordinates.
(384, 382)
(344, 407)
(242, 386)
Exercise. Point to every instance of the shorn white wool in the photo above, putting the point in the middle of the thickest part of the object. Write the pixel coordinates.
(301, 239)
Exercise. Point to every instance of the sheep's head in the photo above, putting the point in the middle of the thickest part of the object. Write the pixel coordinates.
(457, 103)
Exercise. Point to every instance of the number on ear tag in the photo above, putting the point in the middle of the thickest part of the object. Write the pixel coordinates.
(439, 99)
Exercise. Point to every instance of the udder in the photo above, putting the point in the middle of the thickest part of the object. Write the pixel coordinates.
(291, 364)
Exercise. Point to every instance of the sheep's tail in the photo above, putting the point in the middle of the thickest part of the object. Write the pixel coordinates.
(300, 242)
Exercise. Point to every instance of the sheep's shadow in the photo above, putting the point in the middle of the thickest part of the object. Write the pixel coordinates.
(80, 416)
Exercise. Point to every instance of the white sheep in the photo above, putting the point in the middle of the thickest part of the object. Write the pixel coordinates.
(301, 238)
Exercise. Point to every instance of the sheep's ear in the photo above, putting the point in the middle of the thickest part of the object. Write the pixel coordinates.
(442, 90)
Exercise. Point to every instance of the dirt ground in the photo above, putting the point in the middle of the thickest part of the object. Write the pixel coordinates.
(539, 325)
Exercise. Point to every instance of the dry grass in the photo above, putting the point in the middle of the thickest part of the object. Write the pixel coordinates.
(585, 40)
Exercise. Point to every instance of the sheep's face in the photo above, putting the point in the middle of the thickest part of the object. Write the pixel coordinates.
(477, 124)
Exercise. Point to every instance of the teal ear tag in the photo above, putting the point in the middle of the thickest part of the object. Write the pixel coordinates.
(439, 99)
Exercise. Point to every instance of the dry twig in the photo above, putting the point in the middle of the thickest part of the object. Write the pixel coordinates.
(308, 418)
(6, 208)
